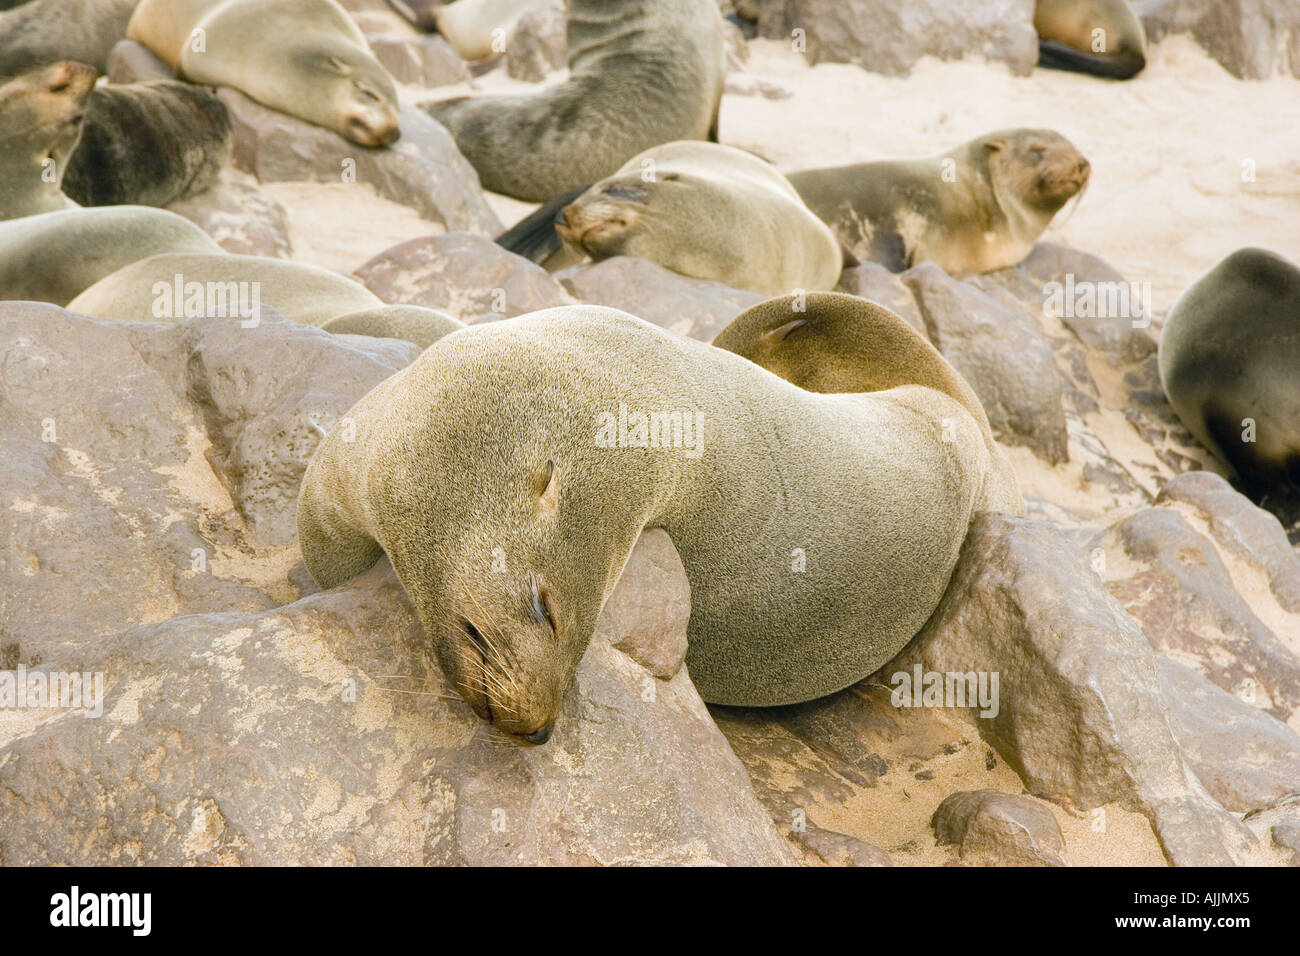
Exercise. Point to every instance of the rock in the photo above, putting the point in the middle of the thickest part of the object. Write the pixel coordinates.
(737, 49)
(423, 170)
(838, 849)
(1082, 715)
(1252, 39)
(1172, 580)
(537, 44)
(131, 62)
(695, 308)
(1000, 829)
(424, 61)
(243, 219)
(1236, 524)
(647, 614)
(271, 739)
(887, 37)
(1004, 355)
(1245, 758)
(1052, 279)
(463, 274)
(1280, 826)
(870, 280)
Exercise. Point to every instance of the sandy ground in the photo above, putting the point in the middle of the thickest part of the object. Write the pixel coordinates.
(1189, 164)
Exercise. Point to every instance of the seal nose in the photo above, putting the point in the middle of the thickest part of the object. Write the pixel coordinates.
(1084, 166)
(539, 736)
(561, 216)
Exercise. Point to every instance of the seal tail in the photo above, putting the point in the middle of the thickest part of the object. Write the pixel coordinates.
(1118, 66)
(534, 237)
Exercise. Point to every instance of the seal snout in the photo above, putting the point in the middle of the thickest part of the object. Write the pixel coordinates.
(539, 736)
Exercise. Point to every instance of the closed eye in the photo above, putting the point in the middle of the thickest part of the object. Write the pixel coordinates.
(542, 606)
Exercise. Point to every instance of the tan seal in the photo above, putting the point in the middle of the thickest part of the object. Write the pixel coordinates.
(508, 472)
(641, 73)
(709, 212)
(1230, 364)
(976, 208)
(477, 28)
(40, 122)
(53, 256)
(1102, 37)
(307, 58)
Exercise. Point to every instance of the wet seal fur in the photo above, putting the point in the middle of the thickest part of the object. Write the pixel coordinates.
(641, 73)
(40, 123)
(709, 212)
(1070, 32)
(148, 144)
(976, 208)
(818, 531)
(53, 256)
(1230, 351)
(307, 58)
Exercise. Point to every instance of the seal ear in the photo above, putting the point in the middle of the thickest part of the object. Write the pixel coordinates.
(546, 486)
(780, 333)
(995, 145)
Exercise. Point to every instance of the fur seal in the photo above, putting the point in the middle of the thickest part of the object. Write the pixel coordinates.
(1230, 363)
(40, 122)
(1102, 37)
(174, 286)
(509, 470)
(976, 208)
(307, 58)
(48, 31)
(411, 323)
(835, 343)
(641, 73)
(705, 211)
(53, 256)
(148, 144)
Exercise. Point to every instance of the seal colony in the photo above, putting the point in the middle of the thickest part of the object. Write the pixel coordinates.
(823, 557)
(976, 208)
(1230, 364)
(641, 73)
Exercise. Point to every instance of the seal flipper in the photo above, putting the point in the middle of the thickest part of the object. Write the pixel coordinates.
(534, 237)
(1116, 66)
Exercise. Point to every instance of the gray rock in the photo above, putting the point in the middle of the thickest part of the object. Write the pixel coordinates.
(1240, 527)
(647, 614)
(872, 281)
(1187, 604)
(1000, 829)
(838, 849)
(463, 274)
(888, 37)
(1245, 758)
(131, 62)
(695, 308)
(1280, 825)
(324, 733)
(425, 61)
(243, 219)
(1252, 39)
(423, 170)
(1003, 354)
(1113, 334)
(537, 44)
(1082, 713)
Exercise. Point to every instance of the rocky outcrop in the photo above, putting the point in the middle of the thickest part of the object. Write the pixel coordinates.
(1252, 39)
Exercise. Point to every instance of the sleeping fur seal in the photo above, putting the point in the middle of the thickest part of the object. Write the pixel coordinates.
(509, 471)
(976, 208)
(1102, 37)
(49, 31)
(709, 212)
(641, 73)
(53, 256)
(306, 58)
